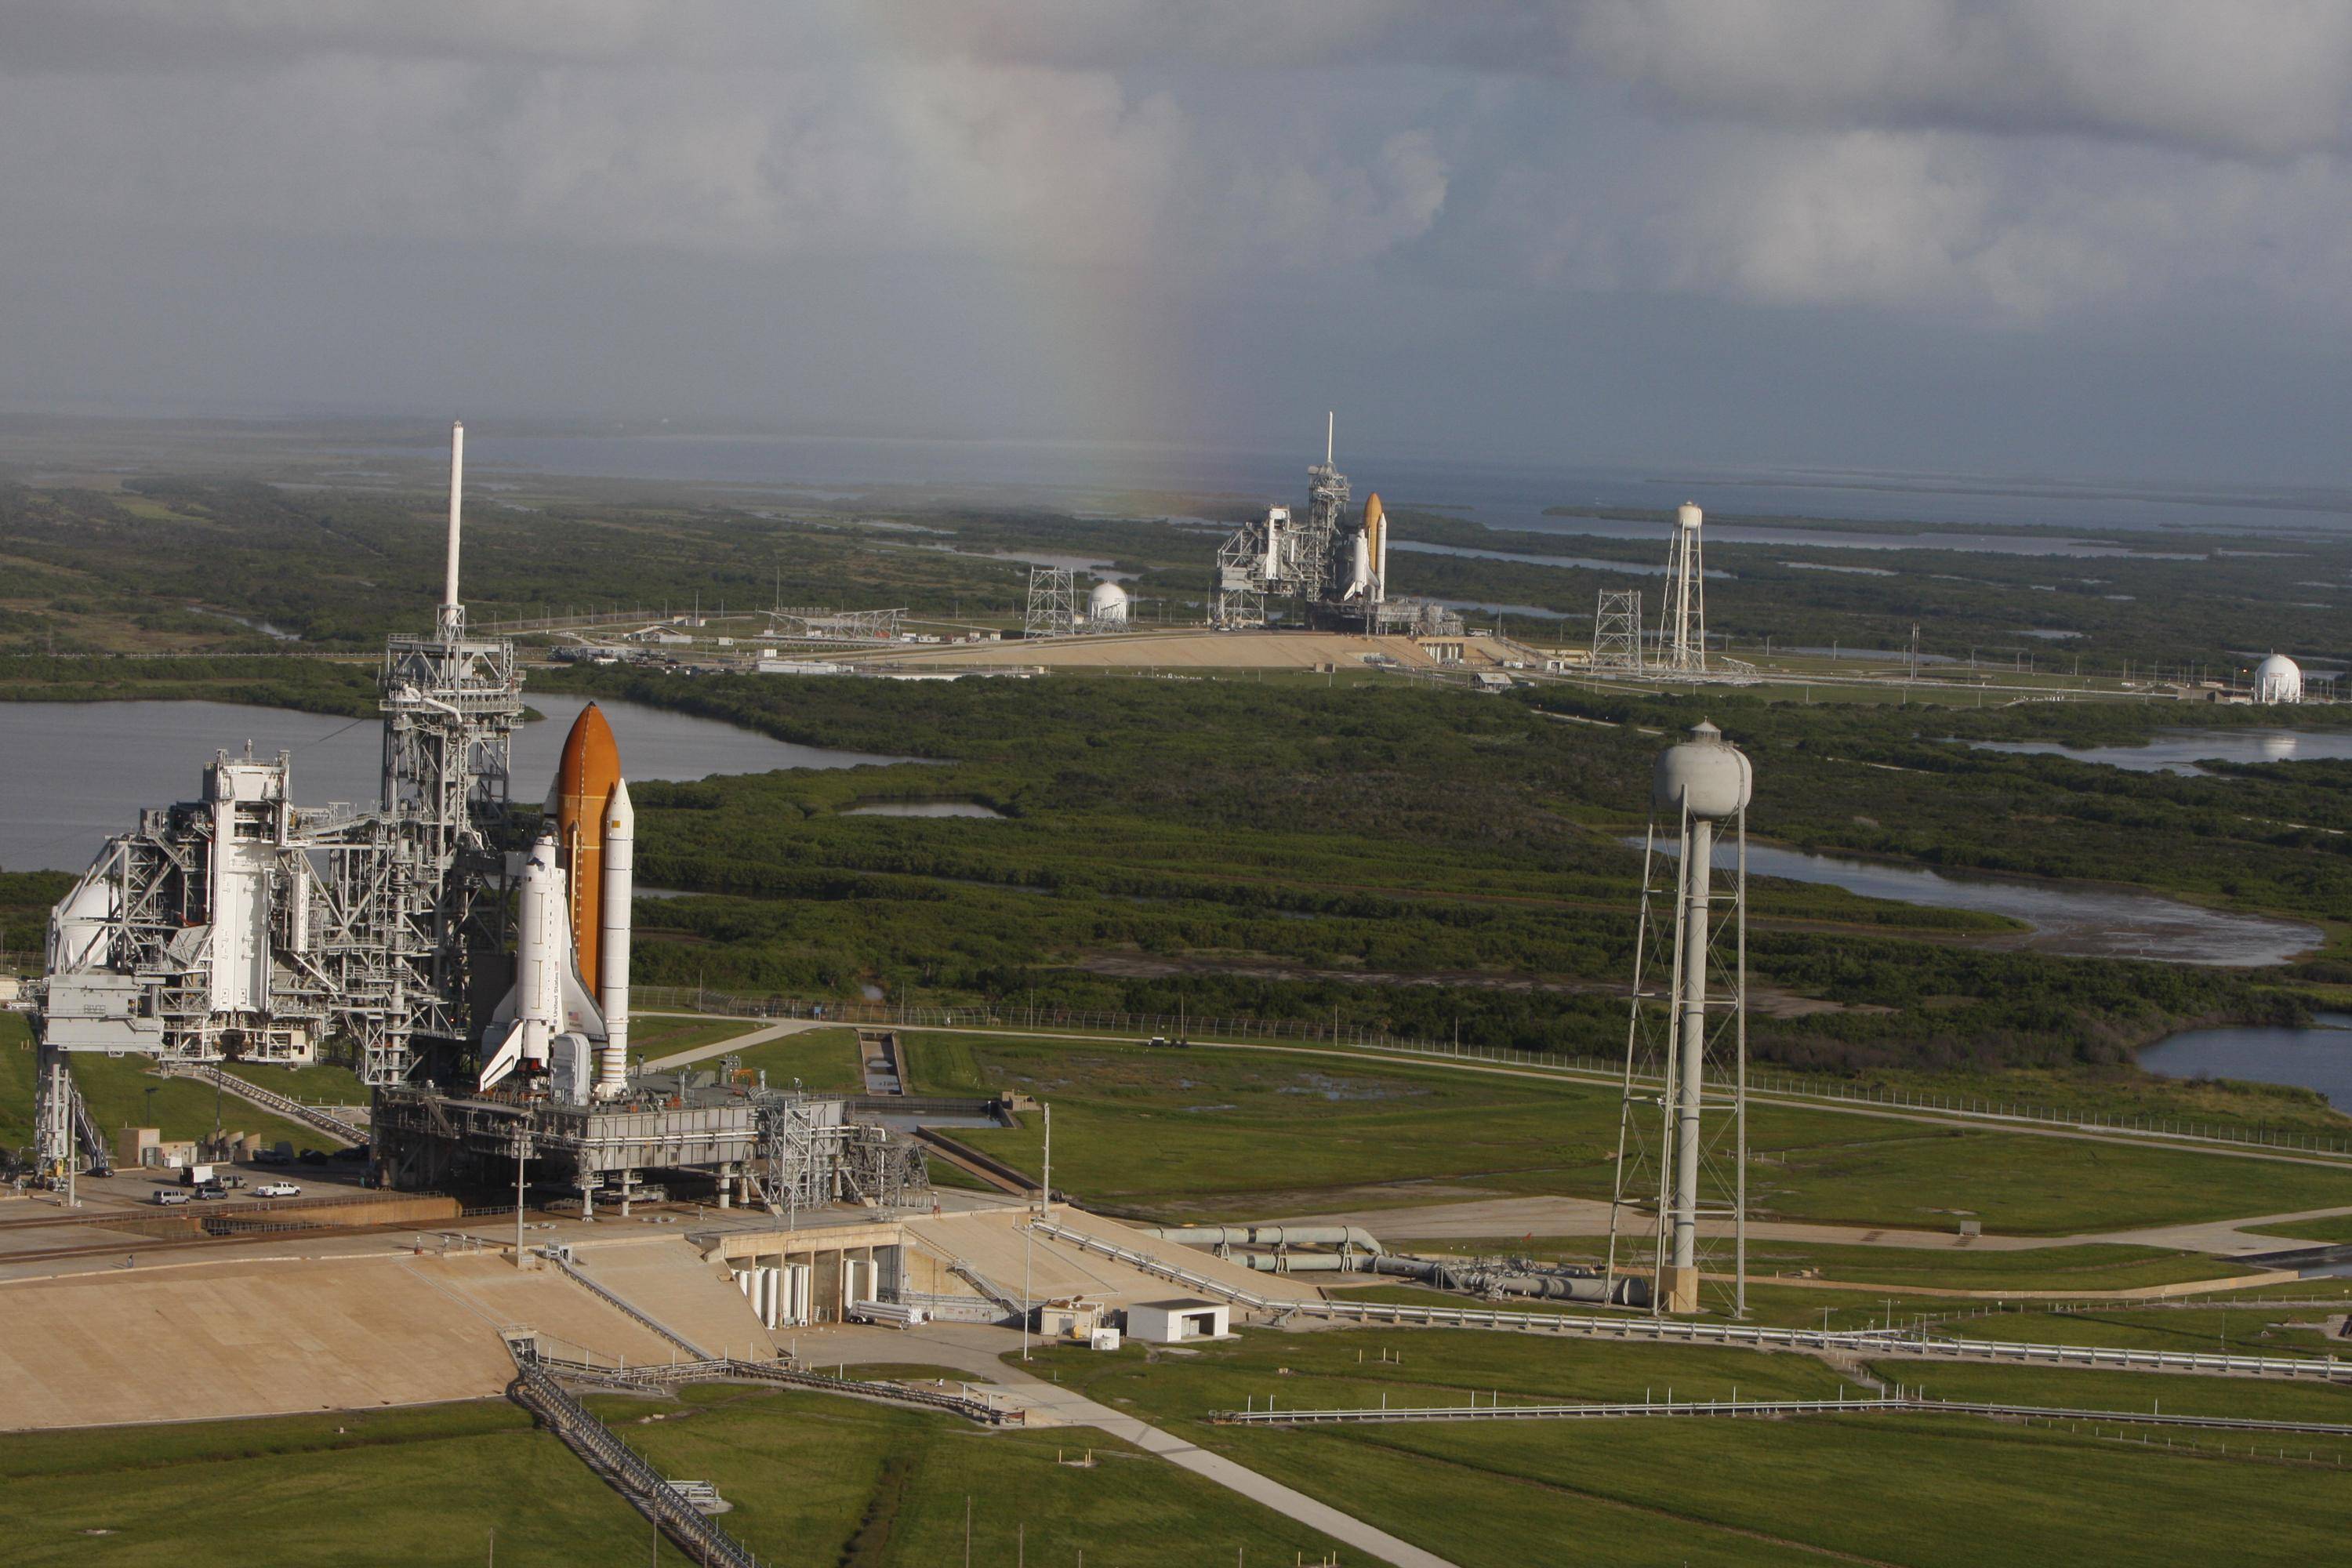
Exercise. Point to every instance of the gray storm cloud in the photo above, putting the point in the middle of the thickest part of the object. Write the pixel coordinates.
(2006, 164)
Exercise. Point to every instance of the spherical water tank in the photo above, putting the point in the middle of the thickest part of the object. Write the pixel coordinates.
(1705, 772)
(1688, 516)
(2278, 678)
(1106, 605)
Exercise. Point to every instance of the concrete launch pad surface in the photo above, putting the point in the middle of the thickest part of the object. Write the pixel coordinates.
(1194, 648)
(994, 1243)
(272, 1338)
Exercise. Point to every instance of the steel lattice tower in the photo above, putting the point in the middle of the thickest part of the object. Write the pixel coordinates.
(1053, 609)
(1617, 629)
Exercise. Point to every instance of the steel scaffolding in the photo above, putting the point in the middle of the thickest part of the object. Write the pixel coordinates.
(1617, 629)
(1053, 603)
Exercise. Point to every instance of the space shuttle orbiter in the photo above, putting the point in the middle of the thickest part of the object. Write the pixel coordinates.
(568, 1015)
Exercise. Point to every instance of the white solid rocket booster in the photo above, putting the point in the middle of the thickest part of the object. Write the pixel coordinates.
(620, 859)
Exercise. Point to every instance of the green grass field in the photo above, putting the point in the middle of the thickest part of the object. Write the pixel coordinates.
(1927, 1490)
(1205, 1133)
(2087, 1389)
(396, 1488)
(815, 1479)
(822, 1060)
(655, 1035)
(2250, 1328)
(2335, 1228)
(321, 1083)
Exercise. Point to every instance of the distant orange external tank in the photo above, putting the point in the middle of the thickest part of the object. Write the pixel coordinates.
(584, 782)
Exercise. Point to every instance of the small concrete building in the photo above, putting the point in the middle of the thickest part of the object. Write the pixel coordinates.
(1174, 1322)
(1073, 1318)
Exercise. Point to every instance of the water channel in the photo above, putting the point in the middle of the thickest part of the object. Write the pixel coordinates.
(2084, 919)
(74, 773)
(2179, 751)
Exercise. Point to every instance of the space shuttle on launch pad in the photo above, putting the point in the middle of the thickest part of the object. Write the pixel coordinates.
(568, 1015)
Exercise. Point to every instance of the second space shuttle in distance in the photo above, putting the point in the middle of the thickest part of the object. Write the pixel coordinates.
(568, 1015)
(1368, 553)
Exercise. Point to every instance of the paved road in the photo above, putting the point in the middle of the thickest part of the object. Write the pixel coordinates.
(975, 1348)
(759, 1036)
(1504, 1218)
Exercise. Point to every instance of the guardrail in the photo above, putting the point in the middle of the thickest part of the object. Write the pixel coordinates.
(268, 1099)
(1671, 1331)
(1704, 1408)
(730, 1369)
(615, 1299)
(670, 1509)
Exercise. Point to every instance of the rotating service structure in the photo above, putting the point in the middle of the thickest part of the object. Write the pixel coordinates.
(239, 925)
(470, 962)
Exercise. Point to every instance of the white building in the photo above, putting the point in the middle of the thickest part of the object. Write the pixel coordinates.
(1175, 1322)
(2278, 678)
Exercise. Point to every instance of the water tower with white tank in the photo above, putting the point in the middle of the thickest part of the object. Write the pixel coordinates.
(1682, 1151)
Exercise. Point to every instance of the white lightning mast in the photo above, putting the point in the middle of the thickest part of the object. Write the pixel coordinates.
(453, 614)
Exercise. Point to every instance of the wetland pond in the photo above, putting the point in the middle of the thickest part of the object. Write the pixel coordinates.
(2083, 920)
(2179, 751)
(2319, 1057)
(73, 774)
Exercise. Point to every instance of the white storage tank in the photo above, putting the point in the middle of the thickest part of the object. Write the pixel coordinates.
(1106, 605)
(2278, 678)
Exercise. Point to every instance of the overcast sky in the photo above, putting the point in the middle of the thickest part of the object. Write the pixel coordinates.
(2067, 236)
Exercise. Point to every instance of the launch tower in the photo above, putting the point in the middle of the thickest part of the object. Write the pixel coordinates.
(1324, 569)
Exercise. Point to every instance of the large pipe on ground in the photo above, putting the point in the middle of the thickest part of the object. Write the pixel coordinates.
(1353, 1236)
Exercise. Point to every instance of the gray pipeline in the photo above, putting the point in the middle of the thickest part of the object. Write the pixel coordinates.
(1353, 1236)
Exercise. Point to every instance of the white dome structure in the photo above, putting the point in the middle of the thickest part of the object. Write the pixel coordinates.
(1106, 605)
(2278, 678)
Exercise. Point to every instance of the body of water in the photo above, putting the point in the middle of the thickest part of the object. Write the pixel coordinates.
(2179, 751)
(1589, 563)
(73, 775)
(2083, 920)
(1961, 512)
(2319, 1058)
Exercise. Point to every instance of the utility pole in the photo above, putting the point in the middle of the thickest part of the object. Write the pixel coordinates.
(522, 1153)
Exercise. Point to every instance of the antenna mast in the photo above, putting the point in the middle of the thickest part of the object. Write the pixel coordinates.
(453, 614)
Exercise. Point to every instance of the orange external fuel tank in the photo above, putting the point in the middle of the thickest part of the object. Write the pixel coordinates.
(583, 781)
